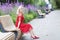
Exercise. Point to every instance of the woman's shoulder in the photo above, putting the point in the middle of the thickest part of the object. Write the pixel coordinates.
(19, 16)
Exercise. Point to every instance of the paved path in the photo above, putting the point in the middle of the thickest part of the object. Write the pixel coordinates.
(47, 28)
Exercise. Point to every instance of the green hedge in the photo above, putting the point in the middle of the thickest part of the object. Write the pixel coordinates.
(29, 17)
(13, 16)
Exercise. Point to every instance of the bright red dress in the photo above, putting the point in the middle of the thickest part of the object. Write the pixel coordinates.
(23, 26)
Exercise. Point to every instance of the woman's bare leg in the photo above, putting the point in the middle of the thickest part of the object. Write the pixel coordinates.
(33, 35)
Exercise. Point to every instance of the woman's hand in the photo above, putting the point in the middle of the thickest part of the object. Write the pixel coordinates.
(17, 28)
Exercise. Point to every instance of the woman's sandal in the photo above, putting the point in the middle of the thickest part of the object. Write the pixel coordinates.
(35, 37)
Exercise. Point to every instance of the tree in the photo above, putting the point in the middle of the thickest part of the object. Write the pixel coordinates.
(58, 3)
(27, 1)
(40, 2)
(53, 2)
(2, 1)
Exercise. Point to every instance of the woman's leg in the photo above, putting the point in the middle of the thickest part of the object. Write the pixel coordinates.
(33, 35)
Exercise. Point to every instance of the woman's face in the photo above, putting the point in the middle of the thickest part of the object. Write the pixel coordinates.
(20, 13)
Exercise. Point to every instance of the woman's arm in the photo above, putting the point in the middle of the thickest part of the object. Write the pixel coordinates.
(19, 22)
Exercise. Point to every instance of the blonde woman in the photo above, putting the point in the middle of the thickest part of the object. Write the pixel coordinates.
(23, 26)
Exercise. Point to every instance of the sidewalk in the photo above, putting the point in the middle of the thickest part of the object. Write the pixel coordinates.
(47, 28)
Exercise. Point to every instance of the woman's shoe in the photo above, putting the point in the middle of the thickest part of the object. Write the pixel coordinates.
(35, 37)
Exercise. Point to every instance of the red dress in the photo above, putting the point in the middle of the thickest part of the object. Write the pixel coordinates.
(23, 26)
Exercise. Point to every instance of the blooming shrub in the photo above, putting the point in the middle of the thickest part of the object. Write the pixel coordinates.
(12, 8)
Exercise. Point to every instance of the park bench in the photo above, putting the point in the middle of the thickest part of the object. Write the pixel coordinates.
(7, 36)
(9, 27)
(41, 15)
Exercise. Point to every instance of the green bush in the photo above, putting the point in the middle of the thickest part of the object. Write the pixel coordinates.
(1, 12)
(30, 16)
(13, 16)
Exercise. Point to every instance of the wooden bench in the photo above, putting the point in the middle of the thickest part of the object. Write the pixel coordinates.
(7, 36)
(42, 15)
(8, 25)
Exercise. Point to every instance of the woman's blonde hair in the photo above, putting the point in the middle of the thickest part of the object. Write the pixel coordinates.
(20, 8)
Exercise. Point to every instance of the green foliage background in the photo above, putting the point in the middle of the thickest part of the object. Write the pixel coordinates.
(55, 3)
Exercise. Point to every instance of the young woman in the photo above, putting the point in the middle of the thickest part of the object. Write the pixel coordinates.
(23, 26)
